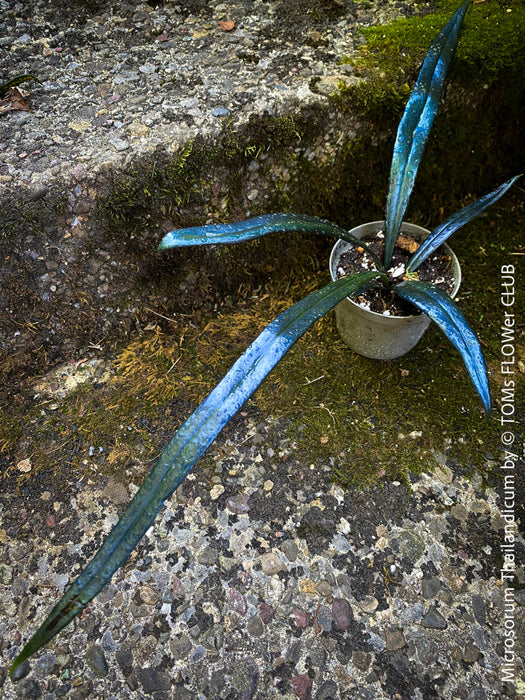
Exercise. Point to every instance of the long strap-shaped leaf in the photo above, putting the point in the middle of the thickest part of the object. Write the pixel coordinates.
(441, 309)
(457, 220)
(256, 227)
(5, 87)
(187, 445)
(415, 126)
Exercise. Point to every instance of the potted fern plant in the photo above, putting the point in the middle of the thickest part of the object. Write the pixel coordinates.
(388, 334)
(378, 323)
(202, 427)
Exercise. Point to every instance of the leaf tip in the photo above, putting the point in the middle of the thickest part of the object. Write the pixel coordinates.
(19, 660)
(165, 242)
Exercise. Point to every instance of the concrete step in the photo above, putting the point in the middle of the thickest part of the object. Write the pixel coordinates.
(153, 117)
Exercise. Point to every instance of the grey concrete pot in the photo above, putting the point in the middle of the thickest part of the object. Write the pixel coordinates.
(369, 333)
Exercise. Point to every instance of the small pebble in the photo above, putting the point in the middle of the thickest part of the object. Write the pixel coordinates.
(271, 564)
(236, 601)
(342, 613)
(289, 549)
(361, 659)
(324, 589)
(327, 691)
(216, 491)
(394, 638)
(300, 619)
(433, 619)
(153, 681)
(479, 610)
(266, 612)
(181, 647)
(96, 660)
(427, 651)
(302, 686)
(255, 626)
(430, 587)
(470, 653)
(148, 595)
(238, 504)
(324, 618)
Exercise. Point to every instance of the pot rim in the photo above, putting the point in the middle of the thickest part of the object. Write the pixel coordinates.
(408, 227)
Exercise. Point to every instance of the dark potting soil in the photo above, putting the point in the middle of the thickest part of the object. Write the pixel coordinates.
(436, 269)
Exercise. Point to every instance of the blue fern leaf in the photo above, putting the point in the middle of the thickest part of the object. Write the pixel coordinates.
(187, 446)
(445, 313)
(249, 229)
(415, 126)
(440, 234)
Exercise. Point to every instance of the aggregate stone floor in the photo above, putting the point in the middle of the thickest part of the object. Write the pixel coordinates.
(120, 82)
(121, 79)
(261, 579)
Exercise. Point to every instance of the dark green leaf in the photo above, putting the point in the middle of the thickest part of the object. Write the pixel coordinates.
(5, 87)
(443, 311)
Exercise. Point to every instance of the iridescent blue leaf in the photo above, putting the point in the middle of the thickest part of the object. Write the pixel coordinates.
(415, 126)
(249, 229)
(441, 309)
(457, 220)
(187, 445)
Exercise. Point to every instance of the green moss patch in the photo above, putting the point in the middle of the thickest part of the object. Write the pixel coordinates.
(202, 174)
(196, 311)
(490, 42)
(371, 420)
(490, 48)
